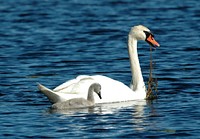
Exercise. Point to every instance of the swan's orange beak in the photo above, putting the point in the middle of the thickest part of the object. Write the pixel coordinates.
(152, 41)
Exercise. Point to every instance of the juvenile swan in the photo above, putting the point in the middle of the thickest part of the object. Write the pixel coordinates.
(80, 102)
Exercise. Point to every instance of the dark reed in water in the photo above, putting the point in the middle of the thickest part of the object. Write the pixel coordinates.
(152, 83)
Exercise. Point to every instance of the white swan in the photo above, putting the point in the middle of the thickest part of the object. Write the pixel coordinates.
(112, 90)
(80, 102)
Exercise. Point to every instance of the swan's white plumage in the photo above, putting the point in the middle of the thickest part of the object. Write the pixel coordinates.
(111, 90)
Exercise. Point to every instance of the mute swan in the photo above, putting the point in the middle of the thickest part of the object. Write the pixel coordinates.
(112, 90)
(80, 102)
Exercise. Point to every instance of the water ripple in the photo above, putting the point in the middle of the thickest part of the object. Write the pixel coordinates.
(54, 41)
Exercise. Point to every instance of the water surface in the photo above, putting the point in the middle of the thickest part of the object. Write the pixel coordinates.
(53, 41)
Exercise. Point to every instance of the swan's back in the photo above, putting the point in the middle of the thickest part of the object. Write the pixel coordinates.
(72, 104)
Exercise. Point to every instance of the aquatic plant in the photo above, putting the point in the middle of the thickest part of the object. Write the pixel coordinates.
(152, 91)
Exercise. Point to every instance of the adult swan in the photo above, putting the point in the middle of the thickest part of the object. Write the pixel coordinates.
(111, 90)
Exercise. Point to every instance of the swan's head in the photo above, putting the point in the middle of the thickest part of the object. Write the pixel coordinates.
(143, 33)
(97, 89)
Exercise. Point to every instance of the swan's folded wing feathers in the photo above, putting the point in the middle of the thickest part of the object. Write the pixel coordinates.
(74, 85)
(65, 85)
(70, 82)
(82, 86)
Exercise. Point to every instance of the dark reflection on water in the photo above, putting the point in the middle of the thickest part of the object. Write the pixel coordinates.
(53, 41)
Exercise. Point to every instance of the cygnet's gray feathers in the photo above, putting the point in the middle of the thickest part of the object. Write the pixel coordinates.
(72, 103)
(80, 102)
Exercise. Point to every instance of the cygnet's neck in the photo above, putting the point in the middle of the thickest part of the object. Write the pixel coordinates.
(137, 79)
(90, 93)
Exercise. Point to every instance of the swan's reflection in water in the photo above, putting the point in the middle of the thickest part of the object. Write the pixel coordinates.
(131, 116)
(107, 108)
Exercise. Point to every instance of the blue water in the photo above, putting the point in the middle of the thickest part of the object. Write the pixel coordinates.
(53, 41)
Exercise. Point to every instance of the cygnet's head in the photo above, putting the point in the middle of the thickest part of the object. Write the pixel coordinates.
(97, 89)
(141, 32)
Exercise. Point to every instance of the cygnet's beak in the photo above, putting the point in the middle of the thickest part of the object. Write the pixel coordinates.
(99, 94)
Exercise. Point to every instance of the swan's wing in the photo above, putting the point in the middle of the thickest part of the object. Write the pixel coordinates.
(66, 85)
(78, 85)
(82, 86)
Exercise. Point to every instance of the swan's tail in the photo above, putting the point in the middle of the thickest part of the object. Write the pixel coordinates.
(52, 96)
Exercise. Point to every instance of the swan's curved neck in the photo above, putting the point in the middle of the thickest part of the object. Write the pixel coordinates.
(137, 79)
(90, 96)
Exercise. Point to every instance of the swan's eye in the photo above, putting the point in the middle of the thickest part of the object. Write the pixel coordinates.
(147, 34)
